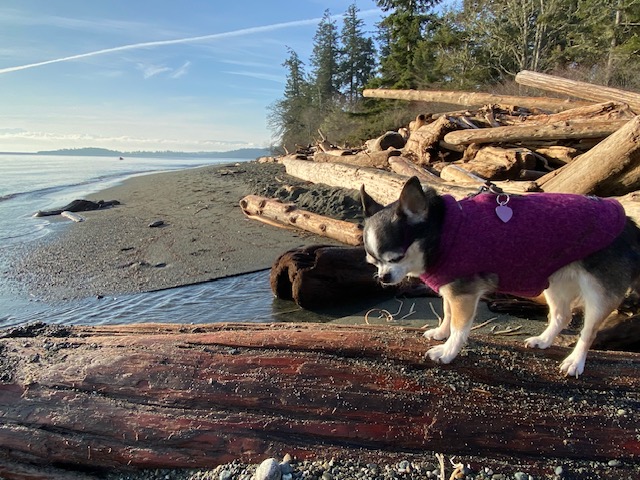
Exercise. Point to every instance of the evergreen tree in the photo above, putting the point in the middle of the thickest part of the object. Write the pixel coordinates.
(357, 60)
(287, 115)
(401, 34)
(324, 60)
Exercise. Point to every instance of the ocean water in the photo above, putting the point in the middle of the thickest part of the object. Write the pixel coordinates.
(29, 183)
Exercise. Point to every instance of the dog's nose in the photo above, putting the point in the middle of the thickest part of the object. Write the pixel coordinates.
(386, 278)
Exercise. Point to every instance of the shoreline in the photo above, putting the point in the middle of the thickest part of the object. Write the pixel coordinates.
(203, 236)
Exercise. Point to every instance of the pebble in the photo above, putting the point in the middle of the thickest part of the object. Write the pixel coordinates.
(614, 463)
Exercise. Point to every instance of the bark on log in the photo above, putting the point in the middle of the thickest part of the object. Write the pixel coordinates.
(473, 99)
(287, 214)
(574, 88)
(185, 396)
(320, 276)
(362, 159)
(523, 133)
(610, 168)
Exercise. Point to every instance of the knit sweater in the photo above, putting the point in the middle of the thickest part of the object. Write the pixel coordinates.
(545, 233)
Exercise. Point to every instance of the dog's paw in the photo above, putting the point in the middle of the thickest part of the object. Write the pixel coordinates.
(538, 342)
(573, 365)
(442, 353)
(439, 333)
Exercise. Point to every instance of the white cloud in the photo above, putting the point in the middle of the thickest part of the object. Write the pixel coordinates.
(182, 71)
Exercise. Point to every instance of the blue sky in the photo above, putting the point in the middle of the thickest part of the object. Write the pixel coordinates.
(129, 75)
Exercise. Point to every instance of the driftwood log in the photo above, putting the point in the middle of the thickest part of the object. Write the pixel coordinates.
(384, 186)
(587, 91)
(471, 99)
(405, 167)
(424, 141)
(526, 132)
(321, 276)
(276, 213)
(362, 159)
(610, 168)
(90, 399)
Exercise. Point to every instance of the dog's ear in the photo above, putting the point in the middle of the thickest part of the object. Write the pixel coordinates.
(413, 203)
(369, 205)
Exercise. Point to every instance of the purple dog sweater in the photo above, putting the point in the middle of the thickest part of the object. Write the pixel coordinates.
(546, 232)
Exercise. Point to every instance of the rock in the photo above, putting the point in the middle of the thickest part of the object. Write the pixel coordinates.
(269, 470)
(156, 224)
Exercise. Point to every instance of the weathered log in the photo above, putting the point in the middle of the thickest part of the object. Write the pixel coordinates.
(190, 396)
(557, 154)
(523, 133)
(496, 163)
(612, 167)
(457, 174)
(423, 142)
(383, 186)
(385, 141)
(473, 99)
(320, 276)
(362, 159)
(578, 89)
(287, 214)
(403, 166)
(596, 112)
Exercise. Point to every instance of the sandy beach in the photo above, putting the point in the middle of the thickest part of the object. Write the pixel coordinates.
(203, 233)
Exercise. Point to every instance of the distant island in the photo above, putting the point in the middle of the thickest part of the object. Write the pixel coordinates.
(243, 153)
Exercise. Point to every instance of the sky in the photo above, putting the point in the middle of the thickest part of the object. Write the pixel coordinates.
(153, 75)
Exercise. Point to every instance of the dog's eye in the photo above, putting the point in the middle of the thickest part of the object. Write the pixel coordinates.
(396, 259)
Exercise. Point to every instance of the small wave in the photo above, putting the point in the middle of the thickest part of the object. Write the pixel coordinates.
(9, 196)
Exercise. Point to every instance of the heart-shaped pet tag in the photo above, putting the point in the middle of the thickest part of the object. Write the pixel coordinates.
(504, 213)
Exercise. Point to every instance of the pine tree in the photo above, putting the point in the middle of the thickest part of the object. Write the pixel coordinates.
(286, 116)
(401, 34)
(357, 60)
(324, 60)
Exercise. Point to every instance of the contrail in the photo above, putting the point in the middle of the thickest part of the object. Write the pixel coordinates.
(160, 43)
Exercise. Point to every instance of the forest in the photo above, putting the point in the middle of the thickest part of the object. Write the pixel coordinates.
(472, 45)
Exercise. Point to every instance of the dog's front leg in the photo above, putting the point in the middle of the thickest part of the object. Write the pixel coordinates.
(462, 309)
(442, 331)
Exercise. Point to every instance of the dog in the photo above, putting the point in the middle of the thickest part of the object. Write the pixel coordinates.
(575, 249)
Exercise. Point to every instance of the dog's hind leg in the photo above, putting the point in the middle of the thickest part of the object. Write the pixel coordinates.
(598, 304)
(563, 290)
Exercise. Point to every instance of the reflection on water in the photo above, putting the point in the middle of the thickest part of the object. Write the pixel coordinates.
(242, 298)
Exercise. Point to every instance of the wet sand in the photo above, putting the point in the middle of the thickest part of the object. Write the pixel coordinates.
(203, 233)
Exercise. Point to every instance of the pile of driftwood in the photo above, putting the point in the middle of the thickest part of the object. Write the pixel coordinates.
(521, 144)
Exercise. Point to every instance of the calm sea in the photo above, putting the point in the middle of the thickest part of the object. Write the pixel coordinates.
(36, 182)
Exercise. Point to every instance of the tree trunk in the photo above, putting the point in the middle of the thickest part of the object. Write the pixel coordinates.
(473, 99)
(192, 396)
(523, 133)
(587, 91)
(610, 168)
(286, 214)
(320, 276)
